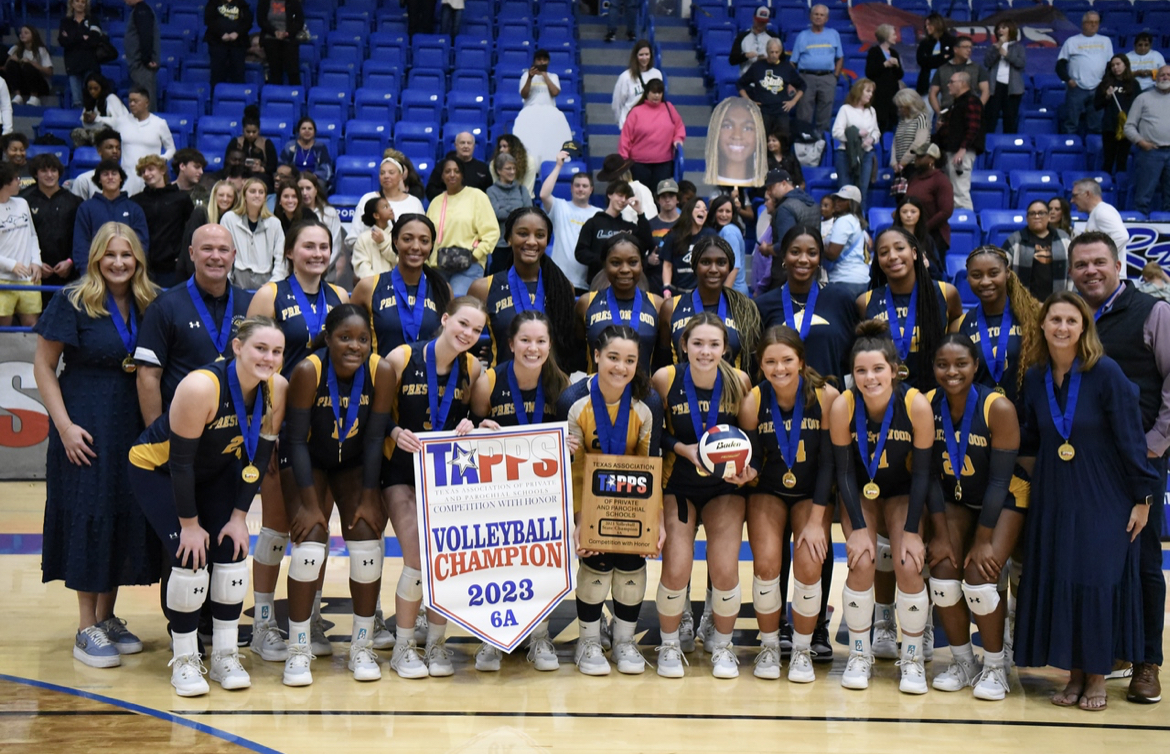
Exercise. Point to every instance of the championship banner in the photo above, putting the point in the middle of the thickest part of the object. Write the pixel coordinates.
(493, 528)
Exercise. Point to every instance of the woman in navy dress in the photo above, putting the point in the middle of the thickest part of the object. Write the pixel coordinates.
(95, 536)
(1080, 604)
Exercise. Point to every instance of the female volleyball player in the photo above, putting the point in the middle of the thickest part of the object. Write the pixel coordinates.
(622, 302)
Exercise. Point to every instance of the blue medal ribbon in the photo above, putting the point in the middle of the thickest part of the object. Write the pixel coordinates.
(789, 443)
(355, 402)
(220, 334)
(697, 305)
(615, 313)
(996, 359)
(249, 430)
(1064, 419)
(410, 317)
(439, 410)
(127, 328)
(610, 435)
(957, 447)
(693, 402)
(871, 464)
(904, 336)
(809, 308)
(520, 295)
(518, 398)
(312, 314)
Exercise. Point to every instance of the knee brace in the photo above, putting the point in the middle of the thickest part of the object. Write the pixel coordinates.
(766, 596)
(270, 546)
(229, 583)
(629, 587)
(858, 608)
(187, 589)
(307, 560)
(725, 603)
(981, 598)
(670, 602)
(593, 586)
(365, 561)
(410, 584)
(945, 592)
(913, 610)
(806, 598)
(885, 555)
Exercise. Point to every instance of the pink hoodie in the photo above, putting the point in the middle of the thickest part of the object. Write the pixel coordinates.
(650, 133)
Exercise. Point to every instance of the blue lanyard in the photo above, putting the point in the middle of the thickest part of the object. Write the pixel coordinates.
(439, 410)
(1064, 420)
(411, 317)
(615, 313)
(693, 402)
(871, 464)
(697, 304)
(249, 430)
(220, 335)
(789, 442)
(957, 448)
(518, 398)
(996, 359)
(127, 328)
(520, 295)
(312, 314)
(809, 308)
(355, 400)
(905, 335)
(610, 435)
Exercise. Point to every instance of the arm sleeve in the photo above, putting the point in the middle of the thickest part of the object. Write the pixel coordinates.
(168, 141)
(376, 430)
(5, 111)
(839, 124)
(247, 491)
(181, 464)
(644, 233)
(1003, 463)
(138, 223)
(296, 434)
(1136, 112)
(825, 468)
(874, 63)
(847, 484)
(919, 486)
(626, 138)
(680, 130)
(945, 201)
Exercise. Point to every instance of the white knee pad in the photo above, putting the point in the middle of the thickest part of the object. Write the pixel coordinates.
(725, 603)
(858, 608)
(981, 598)
(885, 555)
(806, 598)
(945, 592)
(766, 595)
(307, 560)
(229, 583)
(270, 546)
(593, 586)
(913, 611)
(410, 584)
(629, 587)
(671, 602)
(187, 589)
(365, 561)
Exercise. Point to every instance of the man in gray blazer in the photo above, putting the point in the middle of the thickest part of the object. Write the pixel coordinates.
(1004, 62)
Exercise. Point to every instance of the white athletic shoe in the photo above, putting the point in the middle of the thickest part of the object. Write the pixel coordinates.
(407, 661)
(606, 633)
(227, 671)
(629, 660)
(724, 663)
(928, 641)
(487, 659)
(992, 684)
(439, 660)
(18, 99)
(268, 642)
(34, 101)
(706, 632)
(187, 675)
(768, 663)
(318, 641)
(421, 625)
(958, 676)
(858, 670)
(542, 654)
(885, 640)
(671, 660)
(383, 636)
(363, 661)
(800, 667)
(590, 658)
(913, 675)
(686, 631)
(297, 668)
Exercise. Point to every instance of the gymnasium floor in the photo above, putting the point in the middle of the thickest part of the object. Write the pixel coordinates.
(49, 702)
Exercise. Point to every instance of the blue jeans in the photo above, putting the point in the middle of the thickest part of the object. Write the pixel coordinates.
(1079, 102)
(449, 20)
(461, 281)
(76, 85)
(1151, 169)
(841, 163)
(614, 15)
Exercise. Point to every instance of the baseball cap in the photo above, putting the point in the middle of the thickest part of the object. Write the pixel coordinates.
(763, 12)
(667, 186)
(928, 150)
(852, 193)
(777, 175)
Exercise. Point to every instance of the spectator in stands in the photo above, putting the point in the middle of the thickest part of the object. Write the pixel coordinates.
(109, 147)
(259, 151)
(101, 108)
(143, 47)
(20, 256)
(793, 206)
(780, 156)
(629, 9)
(911, 217)
(1039, 253)
(167, 210)
(54, 211)
(913, 131)
(475, 173)
(143, 132)
(940, 93)
(602, 225)
(223, 198)
(506, 195)
(1148, 127)
(1005, 62)
(450, 17)
(960, 136)
(933, 189)
(373, 251)
(538, 87)
(1115, 94)
(466, 227)
(306, 153)
(313, 196)
(687, 191)
(568, 217)
(391, 188)
(1154, 282)
(628, 89)
(228, 23)
(411, 180)
(845, 246)
(525, 168)
(28, 68)
(1081, 65)
(5, 109)
(289, 209)
(722, 219)
(856, 132)
(1103, 217)
(110, 204)
(258, 238)
(773, 84)
(660, 226)
(827, 208)
(935, 50)
(1144, 61)
(653, 132)
(751, 45)
(79, 35)
(883, 66)
(188, 165)
(677, 249)
(819, 57)
(618, 168)
(281, 23)
(1060, 214)
(16, 152)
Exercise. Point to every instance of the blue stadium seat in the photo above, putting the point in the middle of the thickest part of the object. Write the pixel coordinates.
(467, 107)
(356, 174)
(364, 137)
(182, 126)
(231, 99)
(989, 190)
(354, 22)
(879, 217)
(329, 132)
(426, 79)
(1133, 216)
(374, 104)
(379, 75)
(421, 105)
(61, 150)
(478, 130)
(515, 28)
(194, 69)
(1013, 149)
(1051, 84)
(280, 130)
(282, 101)
(85, 158)
(818, 178)
(1034, 184)
(186, 97)
(185, 17)
(1037, 119)
(1060, 152)
(470, 80)
(430, 50)
(417, 138)
(343, 45)
(965, 232)
(337, 74)
(956, 266)
(330, 103)
(998, 224)
(212, 147)
(966, 295)
(1104, 180)
(473, 52)
(513, 59)
(388, 46)
(218, 124)
(423, 165)
(480, 27)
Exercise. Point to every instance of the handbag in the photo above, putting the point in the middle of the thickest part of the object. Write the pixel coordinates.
(451, 258)
(105, 52)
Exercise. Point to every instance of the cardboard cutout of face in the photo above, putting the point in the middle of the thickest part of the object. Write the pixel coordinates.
(737, 153)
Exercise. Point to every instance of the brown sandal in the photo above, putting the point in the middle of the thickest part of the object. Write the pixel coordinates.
(1087, 698)
(1073, 703)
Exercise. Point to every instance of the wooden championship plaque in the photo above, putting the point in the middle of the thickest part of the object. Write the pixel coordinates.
(621, 499)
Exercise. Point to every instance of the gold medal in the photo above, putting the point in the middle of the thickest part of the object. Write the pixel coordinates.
(1000, 390)
(128, 365)
(958, 491)
(1066, 452)
(251, 474)
(871, 491)
(903, 372)
(790, 480)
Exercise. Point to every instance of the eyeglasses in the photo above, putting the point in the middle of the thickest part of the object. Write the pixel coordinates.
(1038, 213)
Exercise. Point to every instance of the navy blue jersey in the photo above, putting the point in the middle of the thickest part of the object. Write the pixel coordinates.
(287, 313)
(411, 408)
(976, 466)
(830, 336)
(682, 308)
(681, 474)
(808, 452)
(503, 407)
(501, 311)
(386, 323)
(921, 372)
(969, 326)
(893, 473)
(683, 277)
(323, 443)
(598, 317)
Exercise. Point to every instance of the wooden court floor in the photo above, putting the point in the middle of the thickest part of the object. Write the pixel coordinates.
(51, 703)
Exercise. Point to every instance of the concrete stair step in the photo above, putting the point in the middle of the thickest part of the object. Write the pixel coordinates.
(679, 59)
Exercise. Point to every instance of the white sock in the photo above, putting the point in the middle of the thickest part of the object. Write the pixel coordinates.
(540, 632)
(363, 628)
(265, 610)
(435, 632)
(298, 631)
(963, 652)
(801, 641)
(185, 644)
(993, 659)
(225, 634)
(670, 637)
(770, 638)
(316, 606)
(403, 635)
(720, 639)
(911, 645)
(623, 630)
(590, 630)
(882, 611)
